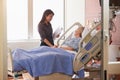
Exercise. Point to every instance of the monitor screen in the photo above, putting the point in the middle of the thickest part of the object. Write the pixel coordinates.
(114, 2)
(111, 2)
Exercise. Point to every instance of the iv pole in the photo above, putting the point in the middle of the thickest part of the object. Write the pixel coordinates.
(105, 39)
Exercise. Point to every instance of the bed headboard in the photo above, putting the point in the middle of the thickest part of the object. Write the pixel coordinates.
(71, 27)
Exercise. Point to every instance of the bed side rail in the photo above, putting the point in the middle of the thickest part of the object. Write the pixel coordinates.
(91, 49)
(11, 67)
(88, 36)
(10, 62)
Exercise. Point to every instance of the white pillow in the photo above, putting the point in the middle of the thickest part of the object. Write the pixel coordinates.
(85, 32)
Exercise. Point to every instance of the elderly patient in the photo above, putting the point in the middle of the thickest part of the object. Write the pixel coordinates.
(72, 44)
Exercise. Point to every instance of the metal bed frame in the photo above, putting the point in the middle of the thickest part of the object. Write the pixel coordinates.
(82, 57)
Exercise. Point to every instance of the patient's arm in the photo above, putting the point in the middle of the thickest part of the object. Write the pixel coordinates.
(67, 48)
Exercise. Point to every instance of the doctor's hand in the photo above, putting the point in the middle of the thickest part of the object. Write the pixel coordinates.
(58, 36)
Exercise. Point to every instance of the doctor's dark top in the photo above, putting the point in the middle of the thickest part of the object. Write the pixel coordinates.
(46, 32)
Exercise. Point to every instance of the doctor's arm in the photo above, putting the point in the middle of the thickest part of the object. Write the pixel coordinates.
(48, 43)
(43, 37)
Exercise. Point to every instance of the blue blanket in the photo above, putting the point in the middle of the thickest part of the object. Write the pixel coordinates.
(43, 60)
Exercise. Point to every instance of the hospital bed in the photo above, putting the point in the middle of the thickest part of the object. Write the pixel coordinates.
(82, 57)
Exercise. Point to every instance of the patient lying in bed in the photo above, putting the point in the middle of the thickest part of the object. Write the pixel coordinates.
(72, 44)
(36, 61)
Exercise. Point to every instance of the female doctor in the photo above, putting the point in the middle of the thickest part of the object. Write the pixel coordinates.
(45, 29)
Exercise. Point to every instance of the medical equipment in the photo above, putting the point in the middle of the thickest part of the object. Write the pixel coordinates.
(85, 53)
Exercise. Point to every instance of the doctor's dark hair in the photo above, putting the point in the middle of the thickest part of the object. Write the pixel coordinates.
(46, 13)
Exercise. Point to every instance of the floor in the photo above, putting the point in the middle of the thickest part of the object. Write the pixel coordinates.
(26, 76)
(114, 76)
(11, 78)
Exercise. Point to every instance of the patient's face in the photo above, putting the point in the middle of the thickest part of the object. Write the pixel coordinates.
(78, 31)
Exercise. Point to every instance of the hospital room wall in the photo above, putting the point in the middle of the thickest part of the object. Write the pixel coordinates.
(3, 41)
(74, 11)
(92, 11)
(114, 50)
